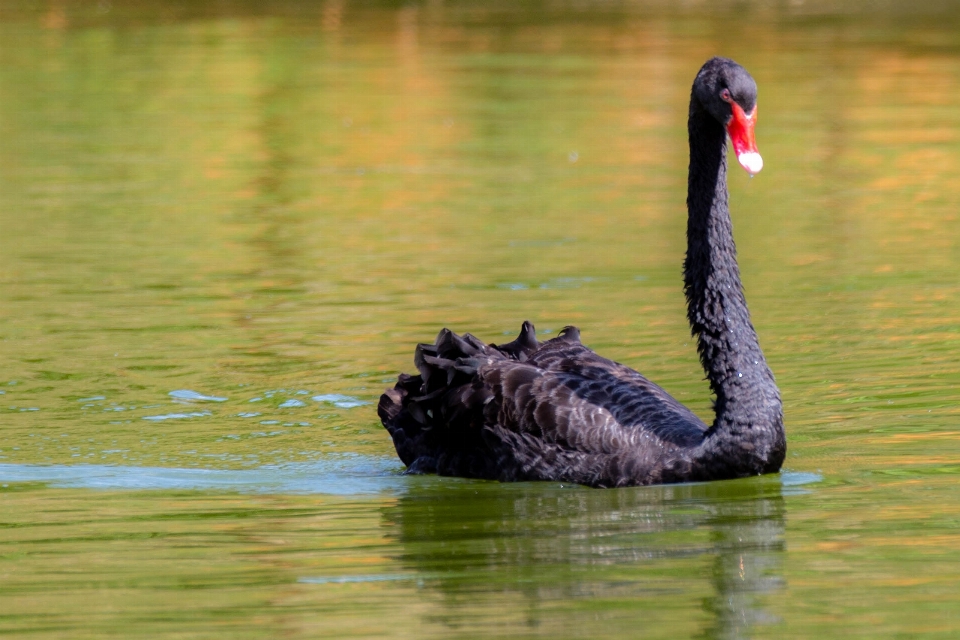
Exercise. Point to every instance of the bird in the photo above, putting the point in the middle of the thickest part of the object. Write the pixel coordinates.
(556, 411)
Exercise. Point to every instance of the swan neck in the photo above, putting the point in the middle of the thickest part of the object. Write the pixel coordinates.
(729, 349)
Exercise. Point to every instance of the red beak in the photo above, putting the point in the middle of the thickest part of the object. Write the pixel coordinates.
(740, 130)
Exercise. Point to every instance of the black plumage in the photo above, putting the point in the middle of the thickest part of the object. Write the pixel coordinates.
(558, 411)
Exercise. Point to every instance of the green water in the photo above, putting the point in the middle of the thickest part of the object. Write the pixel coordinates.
(223, 227)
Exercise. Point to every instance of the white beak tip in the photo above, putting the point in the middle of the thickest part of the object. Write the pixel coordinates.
(751, 161)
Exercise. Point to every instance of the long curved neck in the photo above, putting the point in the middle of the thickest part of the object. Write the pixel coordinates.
(748, 402)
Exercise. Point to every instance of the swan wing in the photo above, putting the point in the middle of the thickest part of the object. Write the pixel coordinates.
(596, 409)
(554, 410)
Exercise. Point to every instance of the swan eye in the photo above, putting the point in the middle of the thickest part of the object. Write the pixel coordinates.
(725, 95)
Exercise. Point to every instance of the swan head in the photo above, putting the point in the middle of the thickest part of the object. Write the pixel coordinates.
(729, 93)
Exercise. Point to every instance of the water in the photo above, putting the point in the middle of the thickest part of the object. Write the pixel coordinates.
(223, 227)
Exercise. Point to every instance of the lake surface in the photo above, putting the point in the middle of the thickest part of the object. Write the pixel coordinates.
(224, 226)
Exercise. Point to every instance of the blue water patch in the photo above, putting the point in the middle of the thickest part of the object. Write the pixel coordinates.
(177, 416)
(193, 396)
(292, 402)
(340, 400)
(794, 482)
(335, 475)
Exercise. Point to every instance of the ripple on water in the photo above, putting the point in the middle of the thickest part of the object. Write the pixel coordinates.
(335, 475)
(794, 482)
(193, 396)
(178, 416)
(347, 474)
(340, 400)
(348, 579)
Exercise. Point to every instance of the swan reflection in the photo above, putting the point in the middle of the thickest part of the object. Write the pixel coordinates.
(708, 555)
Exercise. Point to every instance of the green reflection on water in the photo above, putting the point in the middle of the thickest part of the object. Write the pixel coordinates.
(271, 205)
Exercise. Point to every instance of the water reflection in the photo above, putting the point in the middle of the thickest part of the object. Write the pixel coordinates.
(531, 546)
(748, 550)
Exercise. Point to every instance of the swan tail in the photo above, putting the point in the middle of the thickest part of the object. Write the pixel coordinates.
(436, 418)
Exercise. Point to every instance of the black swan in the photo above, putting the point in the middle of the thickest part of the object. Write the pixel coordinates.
(557, 411)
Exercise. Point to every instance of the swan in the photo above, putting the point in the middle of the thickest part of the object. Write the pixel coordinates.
(557, 411)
